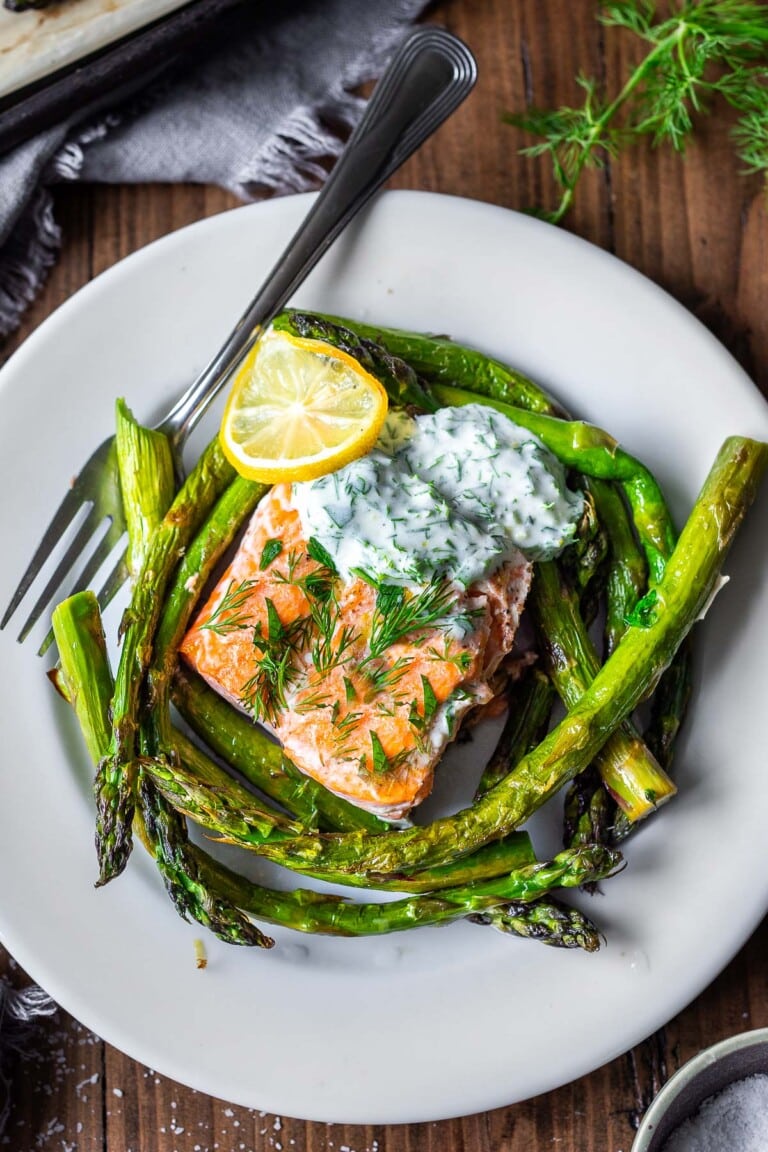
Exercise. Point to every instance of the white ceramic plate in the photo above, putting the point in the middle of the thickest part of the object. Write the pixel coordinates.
(442, 1021)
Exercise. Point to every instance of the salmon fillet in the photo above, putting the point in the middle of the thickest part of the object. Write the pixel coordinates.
(370, 728)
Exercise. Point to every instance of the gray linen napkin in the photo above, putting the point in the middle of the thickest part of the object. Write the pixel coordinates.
(257, 116)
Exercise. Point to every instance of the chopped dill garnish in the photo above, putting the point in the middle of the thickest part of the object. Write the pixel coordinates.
(383, 677)
(348, 723)
(349, 690)
(292, 558)
(317, 699)
(270, 552)
(228, 615)
(321, 555)
(399, 613)
(419, 721)
(264, 694)
(430, 700)
(316, 584)
(365, 577)
(460, 660)
(380, 760)
(329, 650)
(419, 725)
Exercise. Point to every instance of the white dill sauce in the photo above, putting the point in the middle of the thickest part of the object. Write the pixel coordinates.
(454, 494)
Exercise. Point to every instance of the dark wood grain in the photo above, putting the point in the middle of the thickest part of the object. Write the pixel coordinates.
(698, 228)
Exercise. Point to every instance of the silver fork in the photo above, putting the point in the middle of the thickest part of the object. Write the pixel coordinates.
(430, 75)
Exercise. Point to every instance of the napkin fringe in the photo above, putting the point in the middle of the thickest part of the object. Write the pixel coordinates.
(28, 253)
(67, 164)
(34, 243)
(292, 160)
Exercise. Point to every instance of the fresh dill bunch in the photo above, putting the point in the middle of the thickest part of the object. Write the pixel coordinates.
(698, 51)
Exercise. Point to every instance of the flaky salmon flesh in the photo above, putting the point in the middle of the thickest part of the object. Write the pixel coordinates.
(307, 655)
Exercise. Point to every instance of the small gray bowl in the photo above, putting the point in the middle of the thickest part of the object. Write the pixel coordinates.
(705, 1075)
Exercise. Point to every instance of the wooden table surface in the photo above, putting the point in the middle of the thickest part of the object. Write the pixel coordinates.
(699, 229)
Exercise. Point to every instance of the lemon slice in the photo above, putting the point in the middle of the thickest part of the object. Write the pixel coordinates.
(298, 409)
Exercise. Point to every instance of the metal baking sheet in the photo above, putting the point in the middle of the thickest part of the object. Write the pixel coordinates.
(36, 43)
(107, 74)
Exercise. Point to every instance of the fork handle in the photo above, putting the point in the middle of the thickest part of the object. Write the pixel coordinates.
(430, 75)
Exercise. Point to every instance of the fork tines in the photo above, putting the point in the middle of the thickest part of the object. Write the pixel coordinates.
(95, 491)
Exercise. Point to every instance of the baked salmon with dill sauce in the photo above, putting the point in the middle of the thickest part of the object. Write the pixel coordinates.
(366, 612)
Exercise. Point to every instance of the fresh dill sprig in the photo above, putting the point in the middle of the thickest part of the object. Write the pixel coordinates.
(347, 723)
(399, 613)
(228, 615)
(330, 648)
(264, 693)
(382, 677)
(697, 50)
(292, 559)
(317, 699)
(331, 645)
(460, 660)
(317, 584)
